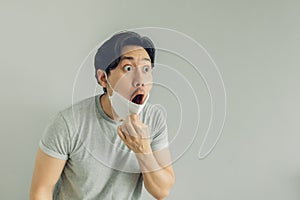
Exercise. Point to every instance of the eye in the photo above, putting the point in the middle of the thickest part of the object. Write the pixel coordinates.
(127, 68)
(147, 68)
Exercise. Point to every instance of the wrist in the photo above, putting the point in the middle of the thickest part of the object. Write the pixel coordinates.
(144, 149)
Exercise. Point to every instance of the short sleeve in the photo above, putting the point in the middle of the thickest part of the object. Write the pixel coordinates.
(160, 130)
(56, 138)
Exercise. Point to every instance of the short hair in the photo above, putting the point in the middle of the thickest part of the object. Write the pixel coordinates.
(109, 53)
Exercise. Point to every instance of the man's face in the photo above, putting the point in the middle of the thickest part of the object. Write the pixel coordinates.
(132, 78)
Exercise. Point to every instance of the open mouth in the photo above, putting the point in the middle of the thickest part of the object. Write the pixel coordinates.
(138, 99)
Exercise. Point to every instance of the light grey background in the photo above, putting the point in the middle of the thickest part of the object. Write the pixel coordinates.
(254, 43)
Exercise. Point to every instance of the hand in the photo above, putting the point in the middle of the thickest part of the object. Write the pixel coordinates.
(135, 134)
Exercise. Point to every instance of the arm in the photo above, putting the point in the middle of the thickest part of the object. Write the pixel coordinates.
(156, 166)
(46, 173)
(158, 176)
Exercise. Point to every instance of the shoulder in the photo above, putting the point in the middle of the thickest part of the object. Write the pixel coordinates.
(79, 108)
(153, 114)
(77, 113)
(155, 110)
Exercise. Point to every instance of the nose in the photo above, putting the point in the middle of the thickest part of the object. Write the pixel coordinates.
(138, 84)
(138, 80)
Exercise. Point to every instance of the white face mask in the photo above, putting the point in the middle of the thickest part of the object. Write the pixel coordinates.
(122, 106)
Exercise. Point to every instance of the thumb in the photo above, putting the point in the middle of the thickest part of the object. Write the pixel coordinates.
(134, 117)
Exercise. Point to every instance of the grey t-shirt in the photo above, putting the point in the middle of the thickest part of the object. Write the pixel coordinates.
(99, 165)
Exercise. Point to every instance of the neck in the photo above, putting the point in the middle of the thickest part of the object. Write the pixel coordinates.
(106, 106)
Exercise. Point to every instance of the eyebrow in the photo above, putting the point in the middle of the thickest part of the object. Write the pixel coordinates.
(132, 58)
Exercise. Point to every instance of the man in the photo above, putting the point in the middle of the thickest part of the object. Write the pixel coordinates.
(105, 146)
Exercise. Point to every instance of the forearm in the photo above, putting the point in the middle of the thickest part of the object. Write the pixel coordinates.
(156, 166)
(157, 179)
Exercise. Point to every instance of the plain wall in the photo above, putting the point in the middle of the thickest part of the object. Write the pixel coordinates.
(254, 43)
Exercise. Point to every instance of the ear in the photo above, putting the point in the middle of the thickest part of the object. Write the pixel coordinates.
(101, 78)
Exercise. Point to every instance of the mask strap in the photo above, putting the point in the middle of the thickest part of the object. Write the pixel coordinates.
(108, 81)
